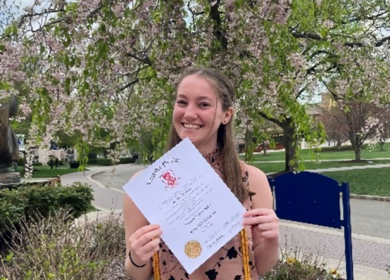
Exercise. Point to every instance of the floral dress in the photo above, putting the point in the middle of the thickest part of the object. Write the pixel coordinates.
(226, 263)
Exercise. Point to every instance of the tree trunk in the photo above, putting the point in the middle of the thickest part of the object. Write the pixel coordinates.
(357, 154)
(264, 148)
(381, 144)
(290, 146)
(356, 144)
(338, 145)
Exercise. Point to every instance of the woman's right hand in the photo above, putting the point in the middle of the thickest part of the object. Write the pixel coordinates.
(144, 243)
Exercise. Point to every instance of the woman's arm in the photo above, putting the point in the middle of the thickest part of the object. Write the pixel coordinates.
(264, 222)
(142, 240)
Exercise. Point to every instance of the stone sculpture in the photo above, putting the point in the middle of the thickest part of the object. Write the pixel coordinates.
(9, 149)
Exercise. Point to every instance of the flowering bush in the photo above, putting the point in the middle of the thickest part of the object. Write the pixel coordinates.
(57, 248)
(295, 265)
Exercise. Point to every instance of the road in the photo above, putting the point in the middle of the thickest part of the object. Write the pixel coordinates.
(369, 217)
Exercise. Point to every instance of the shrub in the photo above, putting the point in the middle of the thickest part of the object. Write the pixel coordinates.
(55, 248)
(295, 265)
(21, 161)
(44, 200)
(74, 164)
(104, 161)
(127, 160)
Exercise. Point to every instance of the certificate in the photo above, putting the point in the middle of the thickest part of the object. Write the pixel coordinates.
(196, 211)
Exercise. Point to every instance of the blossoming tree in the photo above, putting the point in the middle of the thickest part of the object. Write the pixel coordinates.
(106, 68)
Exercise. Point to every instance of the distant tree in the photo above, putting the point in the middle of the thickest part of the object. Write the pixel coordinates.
(384, 131)
(358, 122)
(336, 125)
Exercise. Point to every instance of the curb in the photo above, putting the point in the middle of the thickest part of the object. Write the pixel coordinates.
(99, 184)
(330, 231)
(370, 197)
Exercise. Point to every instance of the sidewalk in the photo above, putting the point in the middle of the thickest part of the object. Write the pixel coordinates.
(370, 254)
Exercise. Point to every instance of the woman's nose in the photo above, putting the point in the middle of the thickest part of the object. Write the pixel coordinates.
(190, 113)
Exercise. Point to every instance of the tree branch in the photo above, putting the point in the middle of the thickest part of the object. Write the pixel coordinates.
(129, 84)
(279, 123)
(143, 60)
(313, 36)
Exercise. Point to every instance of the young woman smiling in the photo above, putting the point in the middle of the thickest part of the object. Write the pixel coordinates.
(203, 112)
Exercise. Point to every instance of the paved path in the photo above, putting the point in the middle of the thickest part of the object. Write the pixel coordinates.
(371, 254)
(368, 217)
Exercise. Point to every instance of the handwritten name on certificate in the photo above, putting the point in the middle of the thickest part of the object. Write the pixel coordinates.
(197, 212)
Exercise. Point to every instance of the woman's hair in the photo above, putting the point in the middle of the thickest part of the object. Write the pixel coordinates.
(231, 163)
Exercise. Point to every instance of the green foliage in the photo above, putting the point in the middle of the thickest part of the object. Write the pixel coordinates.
(104, 161)
(53, 162)
(126, 160)
(55, 247)
(21, 161)
(295, 265)
(82, 154)
(27, 201)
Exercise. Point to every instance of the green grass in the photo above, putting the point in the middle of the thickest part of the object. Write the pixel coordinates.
(329, 153)
(46, 172)
(273, 167)
(361, 181)
(364, 181)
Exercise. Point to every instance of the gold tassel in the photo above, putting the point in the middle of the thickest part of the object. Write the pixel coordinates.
(156, 267)
(245, 259)
(245, 254)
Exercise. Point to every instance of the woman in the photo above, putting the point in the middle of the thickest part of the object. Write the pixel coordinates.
(203, 112)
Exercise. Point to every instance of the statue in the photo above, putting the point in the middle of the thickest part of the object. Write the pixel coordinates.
(9, 149)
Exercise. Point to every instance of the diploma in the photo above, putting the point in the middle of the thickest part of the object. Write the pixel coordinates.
(196, 211)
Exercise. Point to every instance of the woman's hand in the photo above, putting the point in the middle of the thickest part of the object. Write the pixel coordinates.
(144, 243)
(263, 221)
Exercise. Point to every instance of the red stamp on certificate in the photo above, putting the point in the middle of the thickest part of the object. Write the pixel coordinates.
(169, 178)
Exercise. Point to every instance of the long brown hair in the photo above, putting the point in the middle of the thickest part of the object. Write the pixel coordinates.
(231, 162)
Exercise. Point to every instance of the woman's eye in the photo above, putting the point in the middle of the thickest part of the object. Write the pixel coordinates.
(181, 102)
(204, 105)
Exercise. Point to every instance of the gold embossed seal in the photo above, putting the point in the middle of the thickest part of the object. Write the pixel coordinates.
(193, 249)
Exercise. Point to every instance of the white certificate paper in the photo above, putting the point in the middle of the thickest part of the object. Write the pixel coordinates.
(196, 211)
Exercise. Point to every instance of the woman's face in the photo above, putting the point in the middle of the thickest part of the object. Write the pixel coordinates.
(198, 113)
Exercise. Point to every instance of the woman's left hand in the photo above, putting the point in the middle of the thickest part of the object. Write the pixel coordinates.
(263, 221)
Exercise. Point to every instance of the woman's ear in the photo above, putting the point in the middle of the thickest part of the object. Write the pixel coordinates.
(228, 115)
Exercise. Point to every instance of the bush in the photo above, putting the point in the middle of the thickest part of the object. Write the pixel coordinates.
(56, 248)
(21, 161)
(104, 162)
(37, 163)
(74, 164)
(294, 265)
(127, 160)
(25, 201)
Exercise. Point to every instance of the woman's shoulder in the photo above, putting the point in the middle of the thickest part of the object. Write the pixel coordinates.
(258, 183)
(252, 171)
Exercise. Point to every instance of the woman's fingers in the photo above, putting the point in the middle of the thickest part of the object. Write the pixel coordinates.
(143, 230)
(144, 242)
(263, 220)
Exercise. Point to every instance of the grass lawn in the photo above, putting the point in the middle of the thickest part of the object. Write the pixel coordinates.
(273, 167)
(330, 153)
(46, 172)
(364, 181)
(361, 181)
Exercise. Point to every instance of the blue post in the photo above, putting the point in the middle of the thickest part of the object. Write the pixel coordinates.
(347, 231)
